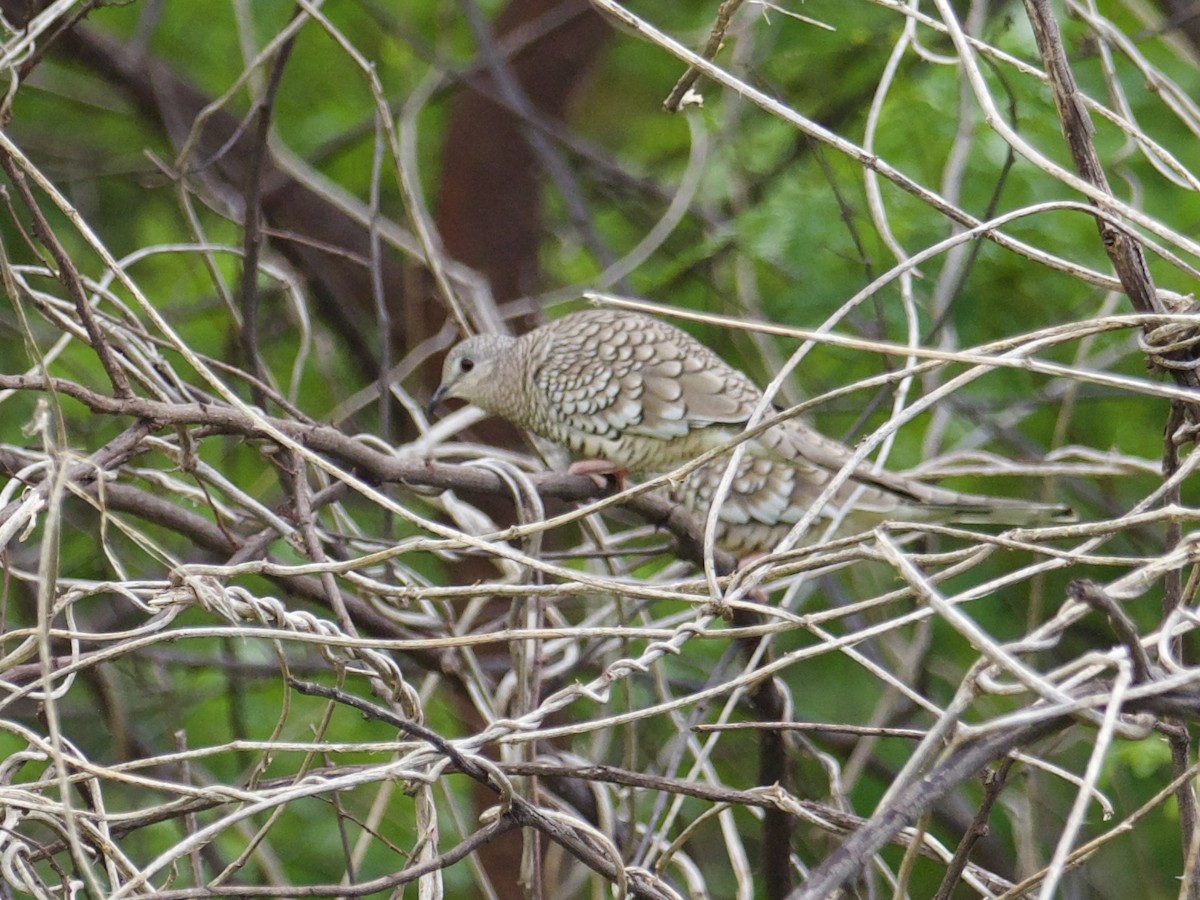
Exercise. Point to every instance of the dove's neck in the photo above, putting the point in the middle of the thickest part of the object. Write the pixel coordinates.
(505, 391)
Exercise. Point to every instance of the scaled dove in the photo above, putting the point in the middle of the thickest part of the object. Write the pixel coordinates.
(646, 397)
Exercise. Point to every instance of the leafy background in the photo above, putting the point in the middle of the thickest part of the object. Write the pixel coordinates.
(160, 604)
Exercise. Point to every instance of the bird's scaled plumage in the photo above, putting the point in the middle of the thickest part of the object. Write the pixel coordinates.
(648, 397)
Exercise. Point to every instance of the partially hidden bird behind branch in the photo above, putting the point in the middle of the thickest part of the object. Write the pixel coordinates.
(643, 396)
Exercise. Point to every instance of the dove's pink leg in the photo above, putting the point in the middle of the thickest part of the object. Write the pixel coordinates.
(599, 470)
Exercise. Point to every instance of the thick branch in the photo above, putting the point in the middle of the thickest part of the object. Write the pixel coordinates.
(369, 463)
(1122, 247)
(959, 765)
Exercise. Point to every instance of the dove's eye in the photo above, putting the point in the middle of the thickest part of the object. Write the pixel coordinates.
(467, 364)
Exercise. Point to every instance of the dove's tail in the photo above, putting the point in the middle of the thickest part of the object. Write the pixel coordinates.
(972, 509)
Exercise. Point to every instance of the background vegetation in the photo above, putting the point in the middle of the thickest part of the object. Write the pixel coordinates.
(268, 630)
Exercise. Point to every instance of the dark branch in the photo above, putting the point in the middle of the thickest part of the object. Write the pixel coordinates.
(365, 461)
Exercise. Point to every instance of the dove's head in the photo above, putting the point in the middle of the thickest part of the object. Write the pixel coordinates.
(480, 370)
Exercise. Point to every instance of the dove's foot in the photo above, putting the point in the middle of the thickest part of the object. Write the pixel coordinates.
(600, 471)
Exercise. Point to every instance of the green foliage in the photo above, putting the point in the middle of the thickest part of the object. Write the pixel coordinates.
(165, 639)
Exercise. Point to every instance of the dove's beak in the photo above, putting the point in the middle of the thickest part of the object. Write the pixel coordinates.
(434, 401)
